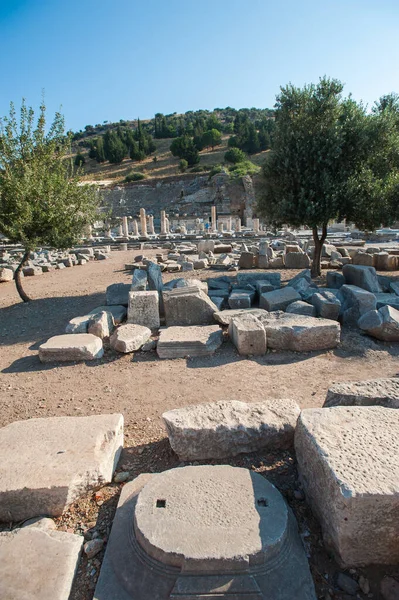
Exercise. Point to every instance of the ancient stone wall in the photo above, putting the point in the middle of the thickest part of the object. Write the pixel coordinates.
(191, 195)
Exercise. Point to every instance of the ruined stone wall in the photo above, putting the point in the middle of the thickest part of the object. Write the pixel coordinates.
(191, 195)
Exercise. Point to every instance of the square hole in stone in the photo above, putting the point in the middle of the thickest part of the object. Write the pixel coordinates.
(161, 503)
(263, 502)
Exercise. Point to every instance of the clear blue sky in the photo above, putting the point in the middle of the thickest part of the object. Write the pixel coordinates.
(110, 60)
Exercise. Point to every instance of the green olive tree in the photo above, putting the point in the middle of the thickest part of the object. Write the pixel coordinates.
(42, 200)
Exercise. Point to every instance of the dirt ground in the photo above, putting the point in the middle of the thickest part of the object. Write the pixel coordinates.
(142, 387)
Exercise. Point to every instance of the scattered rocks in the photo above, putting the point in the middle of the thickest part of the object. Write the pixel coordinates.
(382, 324)
(93, 547)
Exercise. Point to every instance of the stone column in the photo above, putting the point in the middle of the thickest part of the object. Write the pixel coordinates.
(229, 224)
(120, 230)
(213, 219)
(255, 224)
(151, 225)
(163, 222)
(135, 228)
(238, 225)
(125, 227)
(167, 225)
(220, 227)
(89, 232)
(143, 222)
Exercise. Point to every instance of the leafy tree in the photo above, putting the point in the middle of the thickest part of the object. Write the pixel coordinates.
(114, 148)
(213, 122)
(92, 149)
(234, 155)
(211, 138)
(41, 199)
(79, 160)
(320, 147)
(184, 147)
(100, 154)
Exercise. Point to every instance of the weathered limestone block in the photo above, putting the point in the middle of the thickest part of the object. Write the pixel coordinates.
(278, 299)
(228, 428)
(6, 274)
(224, 317)
(211, 530)
(102, 324)
(335, 280)
(139, 282)
(245, 278)
(53, 461)
(384, 325)
(239, 300)
(80, 324)
(118, 293)
(355, 302)
(129, 338)
(301, 308)
(277, 262)
(348, 463)
(180, 342)
(247, 260)
(71, 347)
(327, 305)
(362, 276)
(31, 271)
(188, 306)
(248, 335)
(296, 260)
(144, 309)
(286, 331)
(38, 564)
(380, 392)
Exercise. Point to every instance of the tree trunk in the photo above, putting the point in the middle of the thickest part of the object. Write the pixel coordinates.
(318, 247)
(17, 276)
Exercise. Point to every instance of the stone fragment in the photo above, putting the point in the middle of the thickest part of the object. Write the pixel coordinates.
(305, 274)
(387, 300)
(347, 584)
(212, 531)
(301, 308)
(245, 278)
(38, 564)
(144, 309)
(31, 271)
(277, 262)
(296, 260)
(71, 347)
(180, 342)
(93, 547)
(53, 461)
(363, 259)
(248, 335)
(228, 428)
(118, 293)
(6, 274)
(218, 301)
(327, 305)
(388, 328)
(139, 282)
(380, 392)
(239, 300)
(370, 320)
(278, 299)
(102, 324)
(224, 317)
(247, 260)
(286, 331)
(335, 280)
(394, 286)
(355, 302)
(129, 338)
(347, 461)
(262, 261)
(361, 276)
(188, 306)
(263, 286)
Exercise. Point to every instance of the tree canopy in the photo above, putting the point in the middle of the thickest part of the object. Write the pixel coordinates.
(330, 160)
(42, 201)
(184, 147)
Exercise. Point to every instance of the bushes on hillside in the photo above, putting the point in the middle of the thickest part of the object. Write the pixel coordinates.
(234, 155)
(134, 176)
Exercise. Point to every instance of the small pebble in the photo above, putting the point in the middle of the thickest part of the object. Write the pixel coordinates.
(364, 584)
(93, 547)
(121, 476)
(347, 584)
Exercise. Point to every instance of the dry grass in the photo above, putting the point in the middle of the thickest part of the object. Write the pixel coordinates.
(166, 165)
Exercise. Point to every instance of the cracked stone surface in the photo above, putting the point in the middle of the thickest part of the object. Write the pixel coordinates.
(382, 392)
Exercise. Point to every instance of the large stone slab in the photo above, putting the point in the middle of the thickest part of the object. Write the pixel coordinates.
(180, 342)
(245, 278)
(188, 306)
(71, 347)
(144, 309)
(118, 293)
(80, 324)
(228, 428)
(204, 532)
(382, 324)
(248, 335)
(129, 338)
(48, 463)
(224, 317)
(300, 333)
(381, 392)
(327, 305)
(37, 564)
(278, 299)
(296, 260)
(348, 463)
(362, 276)
(355, 302)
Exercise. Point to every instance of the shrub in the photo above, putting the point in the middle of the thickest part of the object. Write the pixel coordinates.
(134, 176)
(245, 167)
(234, 155)
(183, 164)
(217, 169)
(79, 160)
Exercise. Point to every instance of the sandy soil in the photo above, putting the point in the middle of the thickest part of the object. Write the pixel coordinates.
(142, 387)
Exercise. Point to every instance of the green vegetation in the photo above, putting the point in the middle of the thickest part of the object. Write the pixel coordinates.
(184, 147)
(41, 199)
(79, 160)
(246, 167)
(331, 160)
(134, 176)
(183, 164)
(234, 155)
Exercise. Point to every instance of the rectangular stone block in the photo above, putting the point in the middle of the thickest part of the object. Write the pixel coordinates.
(348, 463)
(278, 299)
(248, 335)
(143, 309)
(71, 347)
